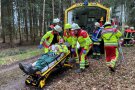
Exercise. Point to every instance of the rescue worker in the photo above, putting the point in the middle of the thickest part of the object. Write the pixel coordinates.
(96, 38)
(56, 21)
(51, 37)
(111, 36)
(85, 45)
(127, 36)
(68, 33)
(45, 59)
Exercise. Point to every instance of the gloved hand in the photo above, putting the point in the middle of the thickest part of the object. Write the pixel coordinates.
(72, 50)
(84, 52)
(40, 46)
(67, 44)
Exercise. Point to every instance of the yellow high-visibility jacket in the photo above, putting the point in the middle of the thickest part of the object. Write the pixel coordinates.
(111, 36)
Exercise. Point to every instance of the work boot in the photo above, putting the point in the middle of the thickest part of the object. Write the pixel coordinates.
(79, 70)
(25, 67)
(86, 66)
(97, 57)
(77, 65)
(112, 69)
(71, 60)
(93, 56)
(32, 70)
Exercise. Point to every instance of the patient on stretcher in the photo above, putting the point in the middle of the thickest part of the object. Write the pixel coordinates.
(46, 60)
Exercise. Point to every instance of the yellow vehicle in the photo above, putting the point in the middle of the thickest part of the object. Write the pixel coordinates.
(87, 15)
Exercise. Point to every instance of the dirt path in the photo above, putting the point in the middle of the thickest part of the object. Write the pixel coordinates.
(96, 77)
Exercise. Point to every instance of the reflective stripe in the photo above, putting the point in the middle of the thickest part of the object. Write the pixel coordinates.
(98, 33)
(107, 31)
(108, 63)
(42, 40)
(127, 38)
(97, 43)
(99, 39)
(98, 54)
(82, 64)
(77, 60)
(86, 62)
(111, 44)
(94, 53)
(113, 63)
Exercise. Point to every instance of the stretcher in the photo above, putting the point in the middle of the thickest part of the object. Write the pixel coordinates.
(39, 78)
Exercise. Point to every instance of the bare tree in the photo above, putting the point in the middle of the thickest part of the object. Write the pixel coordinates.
(53, 8)
(43, 22)
(0, 18)
(59, 9)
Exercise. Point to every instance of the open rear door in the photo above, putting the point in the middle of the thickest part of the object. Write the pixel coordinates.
(86, 16)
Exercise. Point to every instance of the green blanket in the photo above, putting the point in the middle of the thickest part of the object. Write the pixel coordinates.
(45, 60)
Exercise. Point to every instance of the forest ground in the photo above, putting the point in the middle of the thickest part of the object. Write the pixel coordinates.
(96, 77)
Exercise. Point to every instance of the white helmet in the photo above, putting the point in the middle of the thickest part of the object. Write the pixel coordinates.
(58, 28)
(107, 23)
(132, 28)
(97, 24)
(56, 20)
(75, 26)
(126, 26)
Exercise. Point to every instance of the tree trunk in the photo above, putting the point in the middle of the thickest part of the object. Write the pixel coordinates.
(43, 22)
(1, 25)
(9, 13)
(0, 18)
(26, 26)
(18, 20)
(25, 21)
(13, 22)
(31, 20)
(19, 29)
(40, 25)
(34, 24)
(59, 9)
(53, 8)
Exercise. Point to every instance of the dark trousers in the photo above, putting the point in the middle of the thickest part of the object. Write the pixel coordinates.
(96, 49)
(126, 42)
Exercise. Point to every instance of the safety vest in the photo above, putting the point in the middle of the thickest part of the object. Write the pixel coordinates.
(84, 39)
(48, 38)
(111, 36)
(68, 37)
(63, 48)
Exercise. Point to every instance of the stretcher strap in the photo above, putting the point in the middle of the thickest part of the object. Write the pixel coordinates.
(58, 57)
(47, 64)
